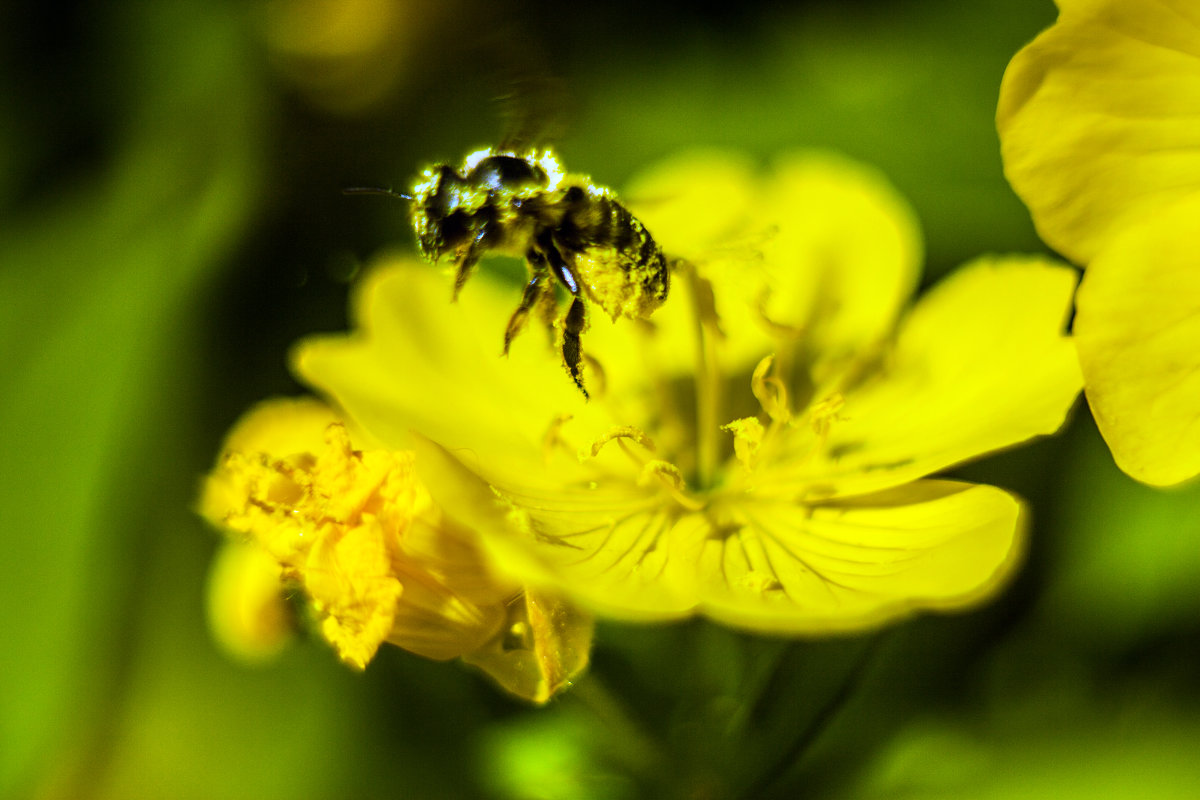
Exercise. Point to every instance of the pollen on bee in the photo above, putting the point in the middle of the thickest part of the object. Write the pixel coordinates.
(426, 185)
(552, 167)
(472, 159)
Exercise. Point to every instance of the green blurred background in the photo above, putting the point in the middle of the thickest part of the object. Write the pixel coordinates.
(170, 184)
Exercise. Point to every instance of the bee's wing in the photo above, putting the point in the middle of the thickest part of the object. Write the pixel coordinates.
(533, 111)
(532, 101)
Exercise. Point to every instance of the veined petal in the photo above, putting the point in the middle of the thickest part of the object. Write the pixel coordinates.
(980, 363)
(1099, 118)
(1138, 334)
(606, 545)
(762, 564)
(613, 548)
(787, 568)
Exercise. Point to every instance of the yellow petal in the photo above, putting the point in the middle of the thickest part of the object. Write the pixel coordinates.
(421, 362)
(980, 363)
(612, 548)
(820, 248)
(247, 612)
(770, 565)
(358, 531)
(786, 568)
(845, 259)
(702, 209)
(1097, 118)
(350, 581)
(603, 544)
(546, 644)
(282, 426)
(762, 564)
(695, 202)
(1138, 333)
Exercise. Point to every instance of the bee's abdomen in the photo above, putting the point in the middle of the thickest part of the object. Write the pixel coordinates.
(617, 258)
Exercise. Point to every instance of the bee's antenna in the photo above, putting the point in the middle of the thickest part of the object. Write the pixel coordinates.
(375, 190)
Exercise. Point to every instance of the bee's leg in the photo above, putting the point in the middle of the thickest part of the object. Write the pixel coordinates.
(461, 273)
(558, 265)
(575, 320)
(466, 264)
(535, 290)
(573, 324)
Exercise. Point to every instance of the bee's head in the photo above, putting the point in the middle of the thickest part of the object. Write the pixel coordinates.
(444, 211)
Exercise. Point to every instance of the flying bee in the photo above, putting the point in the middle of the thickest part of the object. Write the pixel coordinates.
(569, 231)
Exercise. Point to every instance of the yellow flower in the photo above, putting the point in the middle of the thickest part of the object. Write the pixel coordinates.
(1097, 121)
(758, 451)
(378, 559)
(247, 612)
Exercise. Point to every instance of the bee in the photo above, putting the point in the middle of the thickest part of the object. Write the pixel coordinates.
(570, 231)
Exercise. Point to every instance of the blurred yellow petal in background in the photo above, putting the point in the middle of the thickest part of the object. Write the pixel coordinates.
(348, 56)
(1097, 120)
(1138, 333)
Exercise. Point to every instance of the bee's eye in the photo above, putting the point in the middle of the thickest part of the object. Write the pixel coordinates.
(503, 172)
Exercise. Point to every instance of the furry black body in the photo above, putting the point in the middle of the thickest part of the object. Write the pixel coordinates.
(570, 232)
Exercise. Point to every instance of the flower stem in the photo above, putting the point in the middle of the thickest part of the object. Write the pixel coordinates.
(820, 722)
(633, 747)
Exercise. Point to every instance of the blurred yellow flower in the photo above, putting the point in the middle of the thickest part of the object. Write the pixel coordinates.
(348, 56)
(378, 560)
(757, 452)
(248, 613)
(1097, 121)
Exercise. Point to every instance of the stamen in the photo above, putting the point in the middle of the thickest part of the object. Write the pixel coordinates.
(553, 440)
(822, 415)
(779, 329)
(708, 376)
(771, 391)
(672, 479)
(623, 432)
(748, 436)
